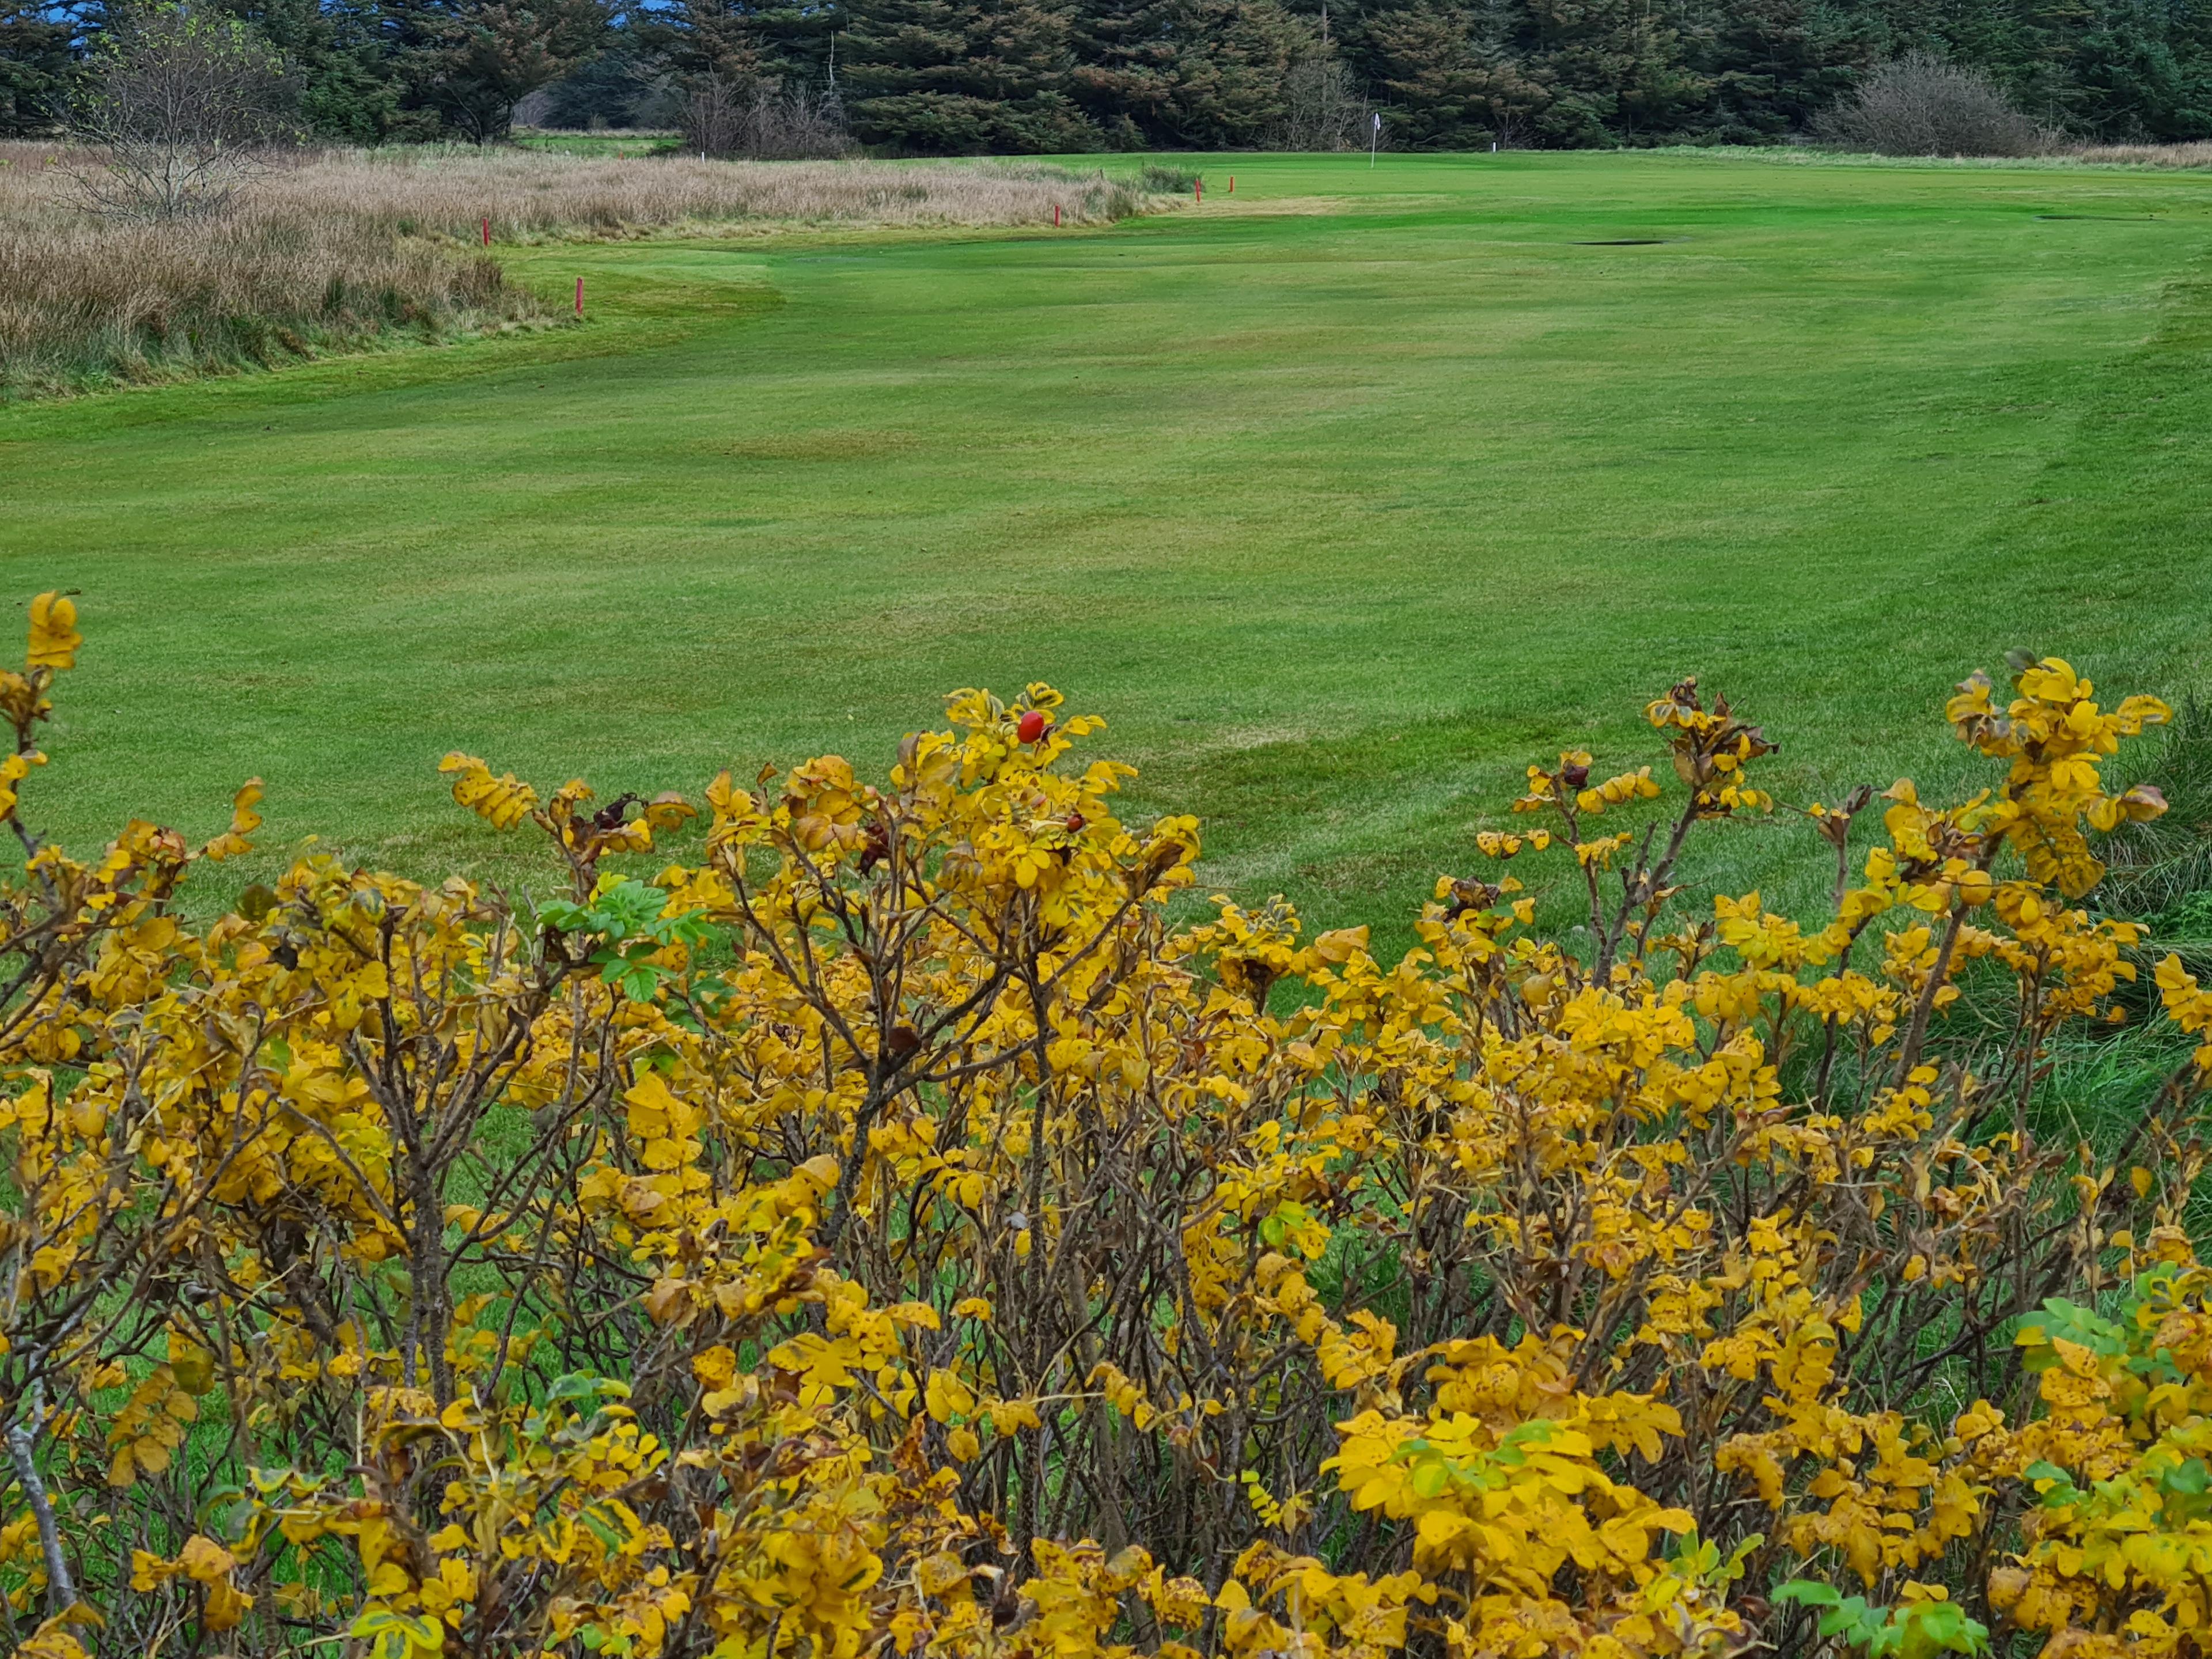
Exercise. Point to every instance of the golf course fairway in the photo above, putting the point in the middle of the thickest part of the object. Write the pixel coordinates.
(1342, 497)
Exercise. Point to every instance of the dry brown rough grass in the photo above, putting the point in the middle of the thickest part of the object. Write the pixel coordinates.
(343, 249)
(2148, 156)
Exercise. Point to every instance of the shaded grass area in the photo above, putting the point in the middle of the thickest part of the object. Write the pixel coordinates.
(1343, 497)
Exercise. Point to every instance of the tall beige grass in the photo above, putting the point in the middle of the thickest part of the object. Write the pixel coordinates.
(2147, 155)
(342, 249)
(527, 192)
(86, 300)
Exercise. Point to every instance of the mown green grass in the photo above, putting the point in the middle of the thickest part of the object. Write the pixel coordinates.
(1343, 497)
(598, 143)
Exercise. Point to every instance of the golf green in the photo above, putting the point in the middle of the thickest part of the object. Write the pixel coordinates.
(1342, 497)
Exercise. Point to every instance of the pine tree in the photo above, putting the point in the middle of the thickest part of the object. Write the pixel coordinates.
(350, 84)
(1189, 74)
(1447, 87)
(738, 41)
(1231, 60)
(962, 77)
(2143, 72)
(1613, 69)
(39, 61)
(1769, 65)
(1124, 72)
(471, 61)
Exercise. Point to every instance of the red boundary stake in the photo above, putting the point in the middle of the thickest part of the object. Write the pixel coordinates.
(1232, 184)
(1198, 190)
(487, 227)
(1056, 215)
(579, 296)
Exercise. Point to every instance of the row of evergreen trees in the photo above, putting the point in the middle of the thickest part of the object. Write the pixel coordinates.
(966, 76)
(367, 71)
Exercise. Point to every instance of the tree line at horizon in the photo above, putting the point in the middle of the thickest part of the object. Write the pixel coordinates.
(976, 76)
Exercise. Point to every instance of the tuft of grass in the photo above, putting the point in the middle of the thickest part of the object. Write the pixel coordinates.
(1166, 178)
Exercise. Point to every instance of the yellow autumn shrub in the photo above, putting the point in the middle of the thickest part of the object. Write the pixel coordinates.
(886, 1229)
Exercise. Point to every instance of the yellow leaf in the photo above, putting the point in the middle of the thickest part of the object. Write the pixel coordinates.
(244, 821)
(194, 1366)
(715, 1367)
(1338, 946)
(501, 802)
(948, 1398)
(13, 771)
(1438, 1528)
(668, 810)
(54, 638)
(226, 1605)
(206, 1560)
(933, 1574)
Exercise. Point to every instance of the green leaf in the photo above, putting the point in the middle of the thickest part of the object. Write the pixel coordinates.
(566, 917)
(1431, 1477)
(1807, 1592)
(599, 1530)
(397, 1635)
(1733, 1570)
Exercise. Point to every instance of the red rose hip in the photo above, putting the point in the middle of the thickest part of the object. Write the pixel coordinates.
(1033, 725)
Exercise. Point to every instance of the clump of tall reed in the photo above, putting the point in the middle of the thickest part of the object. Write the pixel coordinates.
(86, 299)
(339, 249)
(525, 192)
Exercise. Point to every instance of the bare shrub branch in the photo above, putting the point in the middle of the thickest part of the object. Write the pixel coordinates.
(181, 107)
(1921, 105)
(1323, 109)
(765, 120)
